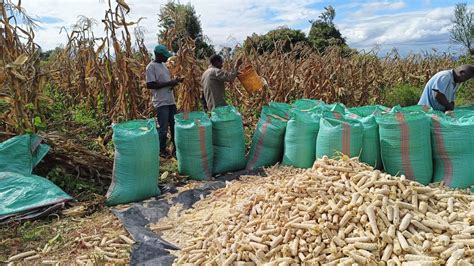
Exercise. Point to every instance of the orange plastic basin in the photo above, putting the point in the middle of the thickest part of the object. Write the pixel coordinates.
(250, 79)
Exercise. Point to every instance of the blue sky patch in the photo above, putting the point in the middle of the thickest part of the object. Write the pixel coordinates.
(49, 20)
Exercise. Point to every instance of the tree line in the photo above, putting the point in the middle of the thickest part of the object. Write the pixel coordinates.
(323, 32)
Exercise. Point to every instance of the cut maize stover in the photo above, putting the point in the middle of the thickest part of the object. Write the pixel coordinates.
(339, 212)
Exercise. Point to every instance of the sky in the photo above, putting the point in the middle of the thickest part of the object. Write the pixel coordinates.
(408, 26)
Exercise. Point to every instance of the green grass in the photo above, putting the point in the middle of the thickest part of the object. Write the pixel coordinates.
(86, 117)
(30, 231)
(20, 237)
(465, 93)
(3, 105)
(81, 189)
(403, 94)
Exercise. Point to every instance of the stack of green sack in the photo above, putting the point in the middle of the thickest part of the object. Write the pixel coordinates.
(268, 140)
(340, 117)
(206, 147)
(398, 140)
(316, 129)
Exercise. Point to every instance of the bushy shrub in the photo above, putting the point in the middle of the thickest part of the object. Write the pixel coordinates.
(402, 94)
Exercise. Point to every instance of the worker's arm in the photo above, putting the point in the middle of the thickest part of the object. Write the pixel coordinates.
(441, 98)
(223, 75)
(155, 85)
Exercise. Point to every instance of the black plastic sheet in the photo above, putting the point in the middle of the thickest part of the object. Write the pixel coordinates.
(150, 248)
(34, 214)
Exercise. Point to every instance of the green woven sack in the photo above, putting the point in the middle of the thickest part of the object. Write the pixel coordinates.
(368, 110)
(194, 151)
(22, 153)
(227, 140)
(338, 136)
(136, 163)
(458, 113)
(412, 109)
(20, 193)
(336, 111)
(453, 141)
(307, 104)
(280, 109)
(465, 107)
(337, 107)
(371, 143)
(300, 139)
(405, 145)
(331, 114)
(268, 139)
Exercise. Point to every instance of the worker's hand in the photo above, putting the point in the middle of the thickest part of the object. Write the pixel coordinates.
(175, 82)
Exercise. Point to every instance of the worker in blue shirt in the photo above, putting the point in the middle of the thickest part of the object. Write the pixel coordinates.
(440, 91)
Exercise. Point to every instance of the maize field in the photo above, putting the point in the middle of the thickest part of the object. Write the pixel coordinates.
(105, 74)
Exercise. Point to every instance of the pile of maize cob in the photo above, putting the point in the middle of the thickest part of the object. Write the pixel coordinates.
(340, 212)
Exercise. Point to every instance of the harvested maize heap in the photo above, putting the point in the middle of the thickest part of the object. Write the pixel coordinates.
(339, 212)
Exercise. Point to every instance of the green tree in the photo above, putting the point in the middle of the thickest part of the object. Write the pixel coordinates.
(462, 31)
(328, 15)
(44, 56)
(187, 24)
(323, 33)
(283, 36)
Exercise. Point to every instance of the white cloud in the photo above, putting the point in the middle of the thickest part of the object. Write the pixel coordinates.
(417, 29)
(69, 11)
(228, 22)
(224, 22)
(225, 19)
